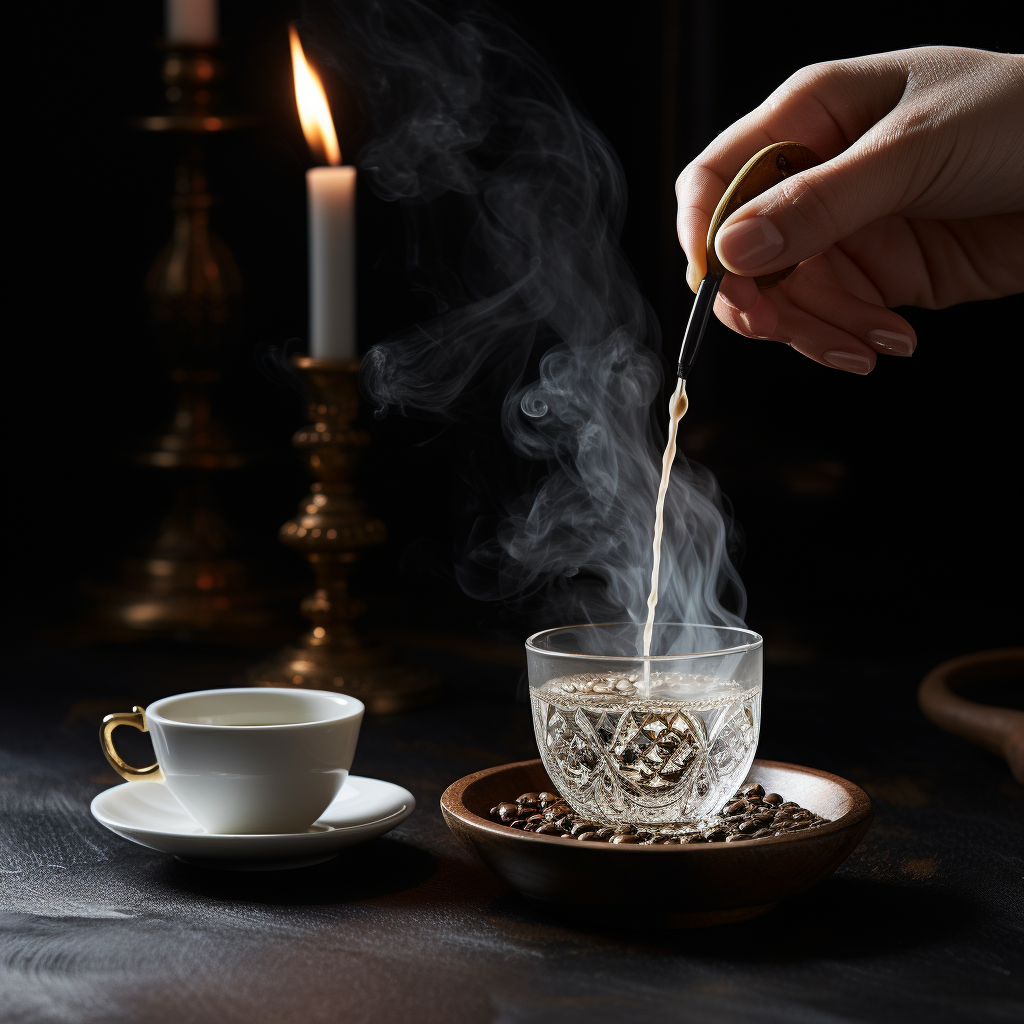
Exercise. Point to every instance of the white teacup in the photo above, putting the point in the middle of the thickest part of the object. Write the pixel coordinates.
(257, 760)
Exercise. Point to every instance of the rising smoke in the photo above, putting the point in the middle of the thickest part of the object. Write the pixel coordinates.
(539, 321)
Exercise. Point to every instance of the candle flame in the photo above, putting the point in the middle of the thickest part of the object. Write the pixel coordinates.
(314, 113)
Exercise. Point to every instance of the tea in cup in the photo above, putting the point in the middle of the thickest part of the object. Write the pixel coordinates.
(255, 760)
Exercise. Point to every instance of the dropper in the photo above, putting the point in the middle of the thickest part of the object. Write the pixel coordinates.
(773, 164)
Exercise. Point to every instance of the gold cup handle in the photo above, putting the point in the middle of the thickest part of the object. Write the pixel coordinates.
(137, 720)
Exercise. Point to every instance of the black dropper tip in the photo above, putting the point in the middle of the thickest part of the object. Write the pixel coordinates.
(699, 315)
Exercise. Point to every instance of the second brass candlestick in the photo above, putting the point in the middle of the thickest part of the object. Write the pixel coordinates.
(331, 528)
(198, 576)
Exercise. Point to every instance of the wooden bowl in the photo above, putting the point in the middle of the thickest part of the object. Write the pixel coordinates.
(667, 886)
(942, 697)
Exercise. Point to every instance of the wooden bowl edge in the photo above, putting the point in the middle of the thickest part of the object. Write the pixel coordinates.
(861, 811)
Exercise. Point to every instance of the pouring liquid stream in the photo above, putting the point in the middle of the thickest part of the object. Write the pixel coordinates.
(678, 405)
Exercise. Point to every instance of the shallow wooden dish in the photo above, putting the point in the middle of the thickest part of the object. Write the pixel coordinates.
(712, 883)
(943, 696)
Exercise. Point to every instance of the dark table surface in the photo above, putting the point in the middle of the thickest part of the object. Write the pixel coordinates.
(924, 921)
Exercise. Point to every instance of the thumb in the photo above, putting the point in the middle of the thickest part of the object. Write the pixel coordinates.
(804, 215)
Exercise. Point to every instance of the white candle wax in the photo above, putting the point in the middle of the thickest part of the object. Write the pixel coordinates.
(332, 262)
(191, 21)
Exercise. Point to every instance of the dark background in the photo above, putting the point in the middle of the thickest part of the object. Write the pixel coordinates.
(881, 514)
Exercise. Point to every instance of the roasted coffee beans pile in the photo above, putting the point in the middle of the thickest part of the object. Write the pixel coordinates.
(751, 814)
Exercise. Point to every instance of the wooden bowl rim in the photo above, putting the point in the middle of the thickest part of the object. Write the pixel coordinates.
(451, 802)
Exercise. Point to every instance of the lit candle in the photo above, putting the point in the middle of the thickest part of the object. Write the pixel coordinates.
(331, 193)
(193, 22)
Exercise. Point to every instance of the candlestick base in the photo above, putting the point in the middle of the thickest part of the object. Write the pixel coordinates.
(384, 685)
(216, 600)
(331, 528)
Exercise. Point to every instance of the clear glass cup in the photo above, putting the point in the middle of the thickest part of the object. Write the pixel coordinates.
(661, 740)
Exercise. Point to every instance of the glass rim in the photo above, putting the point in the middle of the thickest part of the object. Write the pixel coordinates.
(756, 641)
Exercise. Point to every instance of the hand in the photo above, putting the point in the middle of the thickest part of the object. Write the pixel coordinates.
(919, 201)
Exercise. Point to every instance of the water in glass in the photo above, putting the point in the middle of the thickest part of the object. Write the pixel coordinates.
(664, 755)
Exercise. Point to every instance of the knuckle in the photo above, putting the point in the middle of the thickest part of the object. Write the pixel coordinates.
(809, 77)
(690, 177)
(915, 118)
(814, 200)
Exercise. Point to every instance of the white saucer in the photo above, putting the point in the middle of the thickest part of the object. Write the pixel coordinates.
(147, 813)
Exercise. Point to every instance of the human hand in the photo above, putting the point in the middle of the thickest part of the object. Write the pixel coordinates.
(919, 201)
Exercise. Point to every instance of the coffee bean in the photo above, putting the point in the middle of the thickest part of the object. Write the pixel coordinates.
(749, 815)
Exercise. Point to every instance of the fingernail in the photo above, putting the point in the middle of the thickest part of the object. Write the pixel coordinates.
(749, 244)
(847, 361)
(889, 341)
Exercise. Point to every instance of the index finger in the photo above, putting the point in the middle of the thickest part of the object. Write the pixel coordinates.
(825, 106)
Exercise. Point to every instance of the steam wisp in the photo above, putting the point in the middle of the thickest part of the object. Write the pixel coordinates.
(513, 205)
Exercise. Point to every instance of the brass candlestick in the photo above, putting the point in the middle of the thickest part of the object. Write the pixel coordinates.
(331, 528)
(196, 578)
